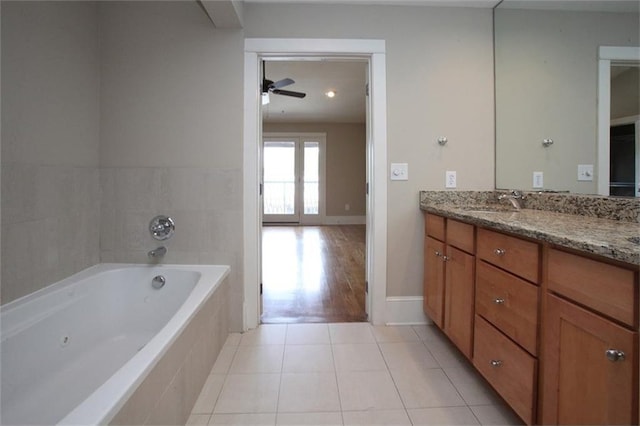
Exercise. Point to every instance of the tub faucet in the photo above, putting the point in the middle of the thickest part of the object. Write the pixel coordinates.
(514, 197)
(157, 253)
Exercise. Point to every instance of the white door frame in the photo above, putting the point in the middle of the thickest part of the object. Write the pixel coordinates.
(606, 55)
(374, 51)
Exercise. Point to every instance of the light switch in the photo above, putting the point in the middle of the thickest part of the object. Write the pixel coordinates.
(399, 171)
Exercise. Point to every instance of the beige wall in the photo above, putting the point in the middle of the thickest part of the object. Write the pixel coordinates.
(546, 87)
(170, 120)
(50, 124)
(439, 83)
(345, 163)
(625, 93)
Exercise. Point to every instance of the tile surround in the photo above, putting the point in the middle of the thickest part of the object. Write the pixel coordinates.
(49, 232)
(205, 203)
(59, 220)
(401, 390)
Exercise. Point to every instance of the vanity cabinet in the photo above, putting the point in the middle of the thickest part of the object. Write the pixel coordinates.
(554, 331)
(449, 278)
(590, 349)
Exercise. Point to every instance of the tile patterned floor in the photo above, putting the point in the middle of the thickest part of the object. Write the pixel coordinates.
(345, 374)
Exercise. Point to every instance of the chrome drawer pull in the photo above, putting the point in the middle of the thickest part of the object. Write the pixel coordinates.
(614, 355)
(496, 363)
(498, 301)
(499, 252)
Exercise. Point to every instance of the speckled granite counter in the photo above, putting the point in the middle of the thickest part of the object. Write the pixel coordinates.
(613, 239)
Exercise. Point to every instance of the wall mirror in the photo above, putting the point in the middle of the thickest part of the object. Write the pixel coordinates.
(547, 70)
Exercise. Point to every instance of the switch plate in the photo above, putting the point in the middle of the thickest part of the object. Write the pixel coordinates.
(538, 181)
(399, 171)
(450, 179)
(585, 172)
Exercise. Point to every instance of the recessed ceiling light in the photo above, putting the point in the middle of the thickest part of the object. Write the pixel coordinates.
(330, 94)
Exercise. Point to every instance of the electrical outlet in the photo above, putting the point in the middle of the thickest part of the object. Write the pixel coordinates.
(585, 172)
(347, 207)
(450, 179)
(538, 180)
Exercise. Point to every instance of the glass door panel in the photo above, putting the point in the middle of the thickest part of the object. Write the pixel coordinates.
(311, 191)
(280, 177)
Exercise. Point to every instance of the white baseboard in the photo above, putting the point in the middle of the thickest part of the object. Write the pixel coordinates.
(345, 220)
(405, 311)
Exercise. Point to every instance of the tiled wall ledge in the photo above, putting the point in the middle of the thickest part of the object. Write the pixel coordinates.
(614, 208)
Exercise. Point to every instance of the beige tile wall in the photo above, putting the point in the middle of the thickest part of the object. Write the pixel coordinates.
(50, 225)
(205, 203)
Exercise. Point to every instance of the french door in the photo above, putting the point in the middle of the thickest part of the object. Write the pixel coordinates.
(293, 178)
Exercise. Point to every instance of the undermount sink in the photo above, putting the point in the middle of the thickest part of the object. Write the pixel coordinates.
(634, 240)
(490, 209)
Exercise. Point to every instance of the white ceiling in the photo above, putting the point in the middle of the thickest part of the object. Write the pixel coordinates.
(315, 76)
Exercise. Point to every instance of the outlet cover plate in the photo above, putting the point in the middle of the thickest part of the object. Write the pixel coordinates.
(450, 179)
(538, 181)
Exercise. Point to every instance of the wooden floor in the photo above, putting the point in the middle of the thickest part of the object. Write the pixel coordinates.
(313, 274)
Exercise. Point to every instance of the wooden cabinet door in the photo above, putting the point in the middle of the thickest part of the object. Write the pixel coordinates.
(581, 385)
(458, 311)
(434, 280)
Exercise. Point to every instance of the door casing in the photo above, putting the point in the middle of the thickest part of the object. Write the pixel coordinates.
(376, 250)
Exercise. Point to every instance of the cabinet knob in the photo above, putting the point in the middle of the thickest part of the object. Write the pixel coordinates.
(438, 254)
(496, 363)
(445, 258)
(498, 301)
(614, 355)
(499, 252)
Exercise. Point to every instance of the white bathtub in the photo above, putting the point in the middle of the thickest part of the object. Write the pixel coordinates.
(76, 351)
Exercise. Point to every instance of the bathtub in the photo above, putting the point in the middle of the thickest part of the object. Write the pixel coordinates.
(104, 346)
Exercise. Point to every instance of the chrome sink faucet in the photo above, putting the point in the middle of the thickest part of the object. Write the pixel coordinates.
(514, 197)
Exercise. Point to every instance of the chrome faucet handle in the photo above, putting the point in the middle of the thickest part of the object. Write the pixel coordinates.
(161, 227)
(517, 194)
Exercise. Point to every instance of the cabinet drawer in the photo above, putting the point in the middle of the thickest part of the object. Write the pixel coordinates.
(509, 369)
(434, 226)
(517, 256)
(509, 303)
(460, 235)
(608, 289)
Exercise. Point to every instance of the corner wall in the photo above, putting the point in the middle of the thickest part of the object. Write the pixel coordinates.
(171, 136)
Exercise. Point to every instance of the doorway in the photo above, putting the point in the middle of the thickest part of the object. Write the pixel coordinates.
(313, 264)
(376, 245)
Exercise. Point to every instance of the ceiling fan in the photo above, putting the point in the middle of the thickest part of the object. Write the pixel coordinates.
(269, 86)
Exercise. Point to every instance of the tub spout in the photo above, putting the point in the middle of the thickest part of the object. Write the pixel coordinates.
(157, 253)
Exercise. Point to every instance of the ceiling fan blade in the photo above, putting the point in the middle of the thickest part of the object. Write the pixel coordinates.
(281, 83)
(289, 93)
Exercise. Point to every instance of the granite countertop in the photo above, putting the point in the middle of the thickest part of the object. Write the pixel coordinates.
(613, 239)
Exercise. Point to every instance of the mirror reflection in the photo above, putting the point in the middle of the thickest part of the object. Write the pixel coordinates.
(547, 79)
